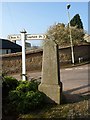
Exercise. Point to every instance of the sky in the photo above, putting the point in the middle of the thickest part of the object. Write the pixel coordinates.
(37, 17)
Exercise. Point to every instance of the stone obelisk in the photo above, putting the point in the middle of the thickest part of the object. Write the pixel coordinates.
(50, 82)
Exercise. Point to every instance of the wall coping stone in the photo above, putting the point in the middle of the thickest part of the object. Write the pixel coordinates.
(34, 51)
(20, 53)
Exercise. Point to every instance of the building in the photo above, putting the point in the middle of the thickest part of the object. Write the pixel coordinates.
(27, 46)
(87, 37)
(7, 47)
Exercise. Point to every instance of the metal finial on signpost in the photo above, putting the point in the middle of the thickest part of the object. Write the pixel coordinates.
(23, 36)
(23, 31)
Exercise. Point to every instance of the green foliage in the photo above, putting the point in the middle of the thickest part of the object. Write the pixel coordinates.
(16, 95)
(26, 97)
(27, 86)
(20, 96)
(8, 84)
(76, 21)
(36, 98)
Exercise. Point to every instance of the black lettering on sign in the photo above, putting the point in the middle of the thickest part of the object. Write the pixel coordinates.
(40, 36)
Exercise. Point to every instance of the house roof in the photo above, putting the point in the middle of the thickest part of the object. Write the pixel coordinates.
(6, 44)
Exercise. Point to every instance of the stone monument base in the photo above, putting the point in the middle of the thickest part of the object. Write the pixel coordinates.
(52, 92)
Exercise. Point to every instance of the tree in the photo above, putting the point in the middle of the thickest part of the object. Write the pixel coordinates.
(61, 34)
(76, 21)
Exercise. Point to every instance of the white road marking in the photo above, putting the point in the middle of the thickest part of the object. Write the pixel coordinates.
(80, 68)
(85, 68)
(69, 69)
(77, 68)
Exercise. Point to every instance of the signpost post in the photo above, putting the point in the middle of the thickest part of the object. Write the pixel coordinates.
(23, 55)
(23, 36)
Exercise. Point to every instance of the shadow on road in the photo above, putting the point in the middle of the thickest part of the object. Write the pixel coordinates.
(73, 95)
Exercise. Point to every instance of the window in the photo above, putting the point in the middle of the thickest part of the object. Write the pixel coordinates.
(5, 51)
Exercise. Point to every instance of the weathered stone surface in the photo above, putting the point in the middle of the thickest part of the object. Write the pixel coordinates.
(53, 93)
(50, 83)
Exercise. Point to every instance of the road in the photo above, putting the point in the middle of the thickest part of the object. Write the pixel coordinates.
(75, 80)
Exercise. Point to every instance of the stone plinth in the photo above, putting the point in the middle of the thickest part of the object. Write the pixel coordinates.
(50, 83)
(52, 92)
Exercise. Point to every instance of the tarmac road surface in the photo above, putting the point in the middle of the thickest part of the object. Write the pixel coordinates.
(75, 80)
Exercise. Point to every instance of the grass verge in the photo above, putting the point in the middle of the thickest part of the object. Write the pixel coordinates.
(75, 111)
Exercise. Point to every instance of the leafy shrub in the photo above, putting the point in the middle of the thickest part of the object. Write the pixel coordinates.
(22, 96)
(8, 84)
(24, 102)
(16, 95)
(27, 86)
(26, 97)
(36, 98)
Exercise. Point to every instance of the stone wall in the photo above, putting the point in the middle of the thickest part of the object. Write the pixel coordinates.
(81, 51)
(11, 63)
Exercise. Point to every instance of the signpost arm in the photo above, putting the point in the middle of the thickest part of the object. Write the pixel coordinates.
(23, 55)
(24, 37)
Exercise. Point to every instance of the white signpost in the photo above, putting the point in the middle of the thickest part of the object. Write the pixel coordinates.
(34, 37)
(27, 37)
(23, 36)
(14, 37)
